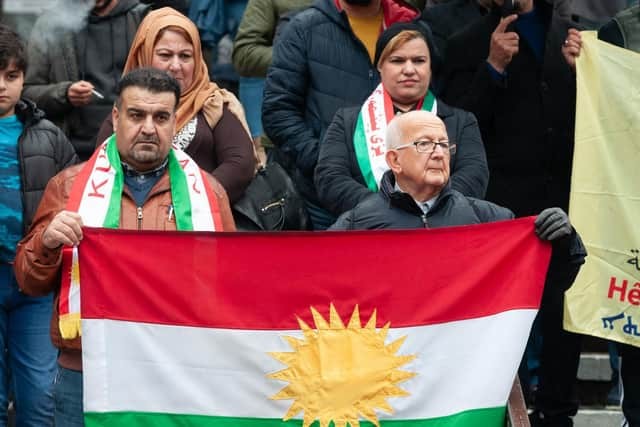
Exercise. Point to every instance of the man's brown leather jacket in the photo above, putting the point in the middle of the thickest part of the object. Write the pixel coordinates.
(38, 268)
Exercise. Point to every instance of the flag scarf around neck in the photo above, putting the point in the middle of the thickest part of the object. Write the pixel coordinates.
(604, 300)
(96, 195)
(232, 352)
(371, 128)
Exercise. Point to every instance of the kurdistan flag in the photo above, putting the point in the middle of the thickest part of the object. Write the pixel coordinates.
(387, 328)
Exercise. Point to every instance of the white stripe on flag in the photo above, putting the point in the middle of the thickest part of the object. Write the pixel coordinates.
(187, 370)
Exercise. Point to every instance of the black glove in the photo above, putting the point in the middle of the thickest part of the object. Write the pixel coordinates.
(553, 224)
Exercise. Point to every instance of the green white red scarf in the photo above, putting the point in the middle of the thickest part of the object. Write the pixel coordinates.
(96, 195)
(368, 138)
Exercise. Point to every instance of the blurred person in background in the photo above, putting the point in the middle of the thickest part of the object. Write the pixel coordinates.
(77, 52)
(261, 24)
(210, 123)
(447, 18)
(507, 68)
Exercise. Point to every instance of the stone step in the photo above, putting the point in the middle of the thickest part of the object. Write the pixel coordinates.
(598, 418)
(594, 367)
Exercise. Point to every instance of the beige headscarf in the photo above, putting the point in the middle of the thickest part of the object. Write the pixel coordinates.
(203, 94)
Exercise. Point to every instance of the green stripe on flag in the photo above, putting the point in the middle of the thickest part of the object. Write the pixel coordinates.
(112, 217)
(362, 155)
(488, 417)
(180, 194)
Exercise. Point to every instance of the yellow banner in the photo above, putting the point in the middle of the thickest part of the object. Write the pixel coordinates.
(605, 193)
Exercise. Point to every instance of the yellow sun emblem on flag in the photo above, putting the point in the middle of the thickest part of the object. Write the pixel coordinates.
(339, 373)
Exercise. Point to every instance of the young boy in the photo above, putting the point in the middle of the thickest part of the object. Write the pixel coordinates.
(32, 150)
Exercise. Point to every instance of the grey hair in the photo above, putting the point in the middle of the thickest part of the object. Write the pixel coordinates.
(395, 132)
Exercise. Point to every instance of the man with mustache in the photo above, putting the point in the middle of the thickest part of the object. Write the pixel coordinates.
(140, 161)
(507, 68)
(322, 61)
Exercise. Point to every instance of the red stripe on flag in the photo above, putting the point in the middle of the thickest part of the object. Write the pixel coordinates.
(265, 280)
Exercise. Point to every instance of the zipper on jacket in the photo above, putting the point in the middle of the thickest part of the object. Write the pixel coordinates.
(139, 209)
(425, 222)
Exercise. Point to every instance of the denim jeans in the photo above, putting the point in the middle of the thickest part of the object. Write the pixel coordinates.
(251, 90)
(67, 394)
(28, 361)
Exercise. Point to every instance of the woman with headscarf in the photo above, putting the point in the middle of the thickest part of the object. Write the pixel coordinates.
(351, 161)
(210, 123)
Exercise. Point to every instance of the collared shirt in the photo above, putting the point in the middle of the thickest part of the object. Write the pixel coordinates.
(426, 205)
(140, 183)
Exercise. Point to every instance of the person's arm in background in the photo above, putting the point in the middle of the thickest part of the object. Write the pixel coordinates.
(473, 87)
(285, 96)
(253, 46)
(610, 33)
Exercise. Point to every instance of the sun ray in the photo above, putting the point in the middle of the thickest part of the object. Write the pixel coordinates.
(283, 375)
(353, 420)
(354, 322)
(334, 318)
(384, 331)
(402, 360)
(331, 348)
(321, 323)
(307, 331)
(284, 358)
(340, 423)
(393, 391)
(371, 324)
(381, 403)
(294, 343)
(368, 413)
(285, 393)
(308, 419)
(295, 409)
(395, 346)
(399, 376)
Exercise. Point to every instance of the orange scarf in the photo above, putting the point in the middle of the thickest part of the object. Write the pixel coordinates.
(141, 54)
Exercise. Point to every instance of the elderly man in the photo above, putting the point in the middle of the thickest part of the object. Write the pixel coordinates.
(141, 163)
(416, 193)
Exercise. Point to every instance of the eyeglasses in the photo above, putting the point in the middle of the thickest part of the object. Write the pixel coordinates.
(428, 147)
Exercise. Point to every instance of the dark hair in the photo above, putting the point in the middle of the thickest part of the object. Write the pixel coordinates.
(420, 29)
(152, 79)
(11, 49)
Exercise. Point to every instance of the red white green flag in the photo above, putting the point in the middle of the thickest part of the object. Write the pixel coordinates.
(386, 328)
